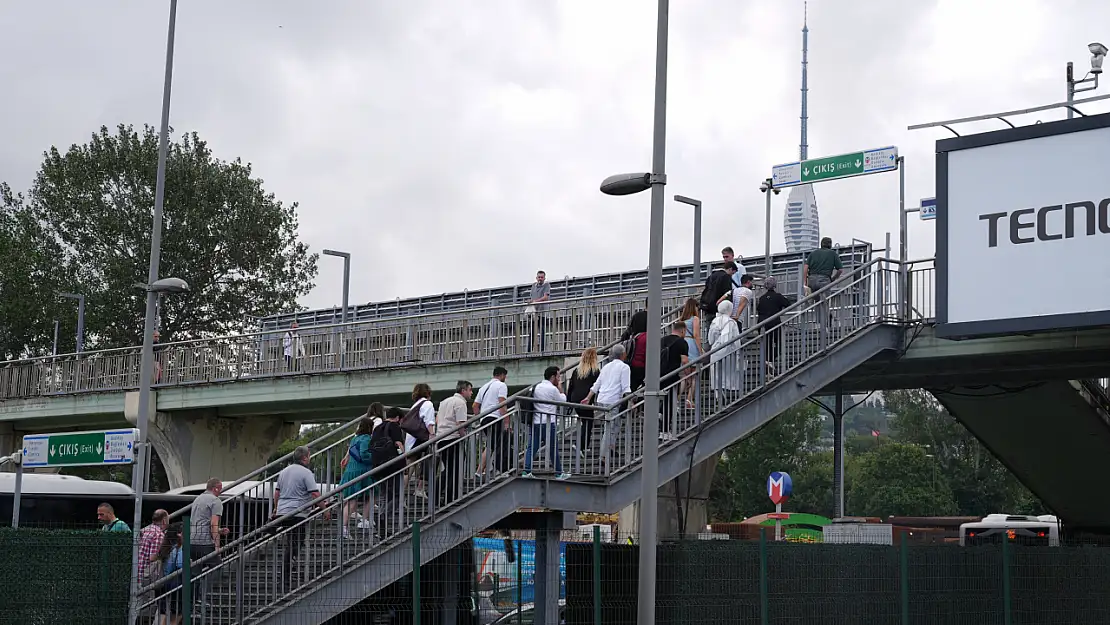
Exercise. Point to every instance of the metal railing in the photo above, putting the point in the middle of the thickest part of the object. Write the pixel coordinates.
(271, 564)
(499, 333)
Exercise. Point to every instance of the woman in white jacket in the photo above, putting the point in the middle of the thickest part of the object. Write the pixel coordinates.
(726, 362)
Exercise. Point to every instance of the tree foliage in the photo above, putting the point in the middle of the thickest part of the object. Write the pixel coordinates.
(91, 208)
(898, 479)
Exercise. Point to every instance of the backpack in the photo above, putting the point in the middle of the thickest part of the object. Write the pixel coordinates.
(527, 408)
(630, 347)
(382, 449)
(413, 425)
(718, 284)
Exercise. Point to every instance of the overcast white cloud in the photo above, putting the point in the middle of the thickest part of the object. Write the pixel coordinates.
(454, 144)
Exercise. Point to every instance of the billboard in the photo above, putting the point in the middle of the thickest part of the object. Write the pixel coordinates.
(1023, 229)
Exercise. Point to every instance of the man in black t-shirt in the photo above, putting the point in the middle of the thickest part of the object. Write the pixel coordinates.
(770, 304)
(674, 354)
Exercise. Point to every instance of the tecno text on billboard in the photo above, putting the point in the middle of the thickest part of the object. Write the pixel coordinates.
(1023, 236)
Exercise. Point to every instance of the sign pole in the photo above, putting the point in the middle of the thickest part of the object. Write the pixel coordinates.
(17, 458)
(778, 522)
(903, 252)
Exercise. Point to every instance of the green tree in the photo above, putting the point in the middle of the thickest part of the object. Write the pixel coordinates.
(787, 443)
(223, 233)
(29, 280)
(980, 484)
(898, 479)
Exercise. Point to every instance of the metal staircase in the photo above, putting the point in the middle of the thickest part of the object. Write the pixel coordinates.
(731, 391)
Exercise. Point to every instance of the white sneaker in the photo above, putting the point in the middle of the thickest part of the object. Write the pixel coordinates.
(527, 474)
(563, 476)
(363, 524)
(346, 533)
(420, 493)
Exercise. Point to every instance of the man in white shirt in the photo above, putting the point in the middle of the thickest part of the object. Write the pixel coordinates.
(544, 422)
(743, 298)
(292, 347)
(492, 394)
(613, 383)
(452, 414)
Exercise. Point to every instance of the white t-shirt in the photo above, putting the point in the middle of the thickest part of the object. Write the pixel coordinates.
(740, 271)
(545, 413)
(491, 394)
(740, 294)
(427, 415)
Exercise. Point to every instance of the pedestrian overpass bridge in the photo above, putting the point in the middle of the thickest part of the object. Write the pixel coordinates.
(224, 404)
(1032, 400)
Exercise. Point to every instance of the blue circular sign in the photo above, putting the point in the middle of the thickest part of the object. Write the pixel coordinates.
(779, 487)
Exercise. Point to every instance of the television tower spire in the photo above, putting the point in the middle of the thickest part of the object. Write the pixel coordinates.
(804, 147)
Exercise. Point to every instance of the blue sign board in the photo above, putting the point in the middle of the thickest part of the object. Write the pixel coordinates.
(494, 568)
(928, 209)
(779, 487)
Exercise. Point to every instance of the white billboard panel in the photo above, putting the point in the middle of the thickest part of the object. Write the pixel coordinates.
(1023, 229)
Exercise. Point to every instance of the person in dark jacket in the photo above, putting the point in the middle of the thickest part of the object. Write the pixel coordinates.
(770, 304)
(716, 286)
(581, 380)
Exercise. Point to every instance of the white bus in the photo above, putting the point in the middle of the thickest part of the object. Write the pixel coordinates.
(1042, 531)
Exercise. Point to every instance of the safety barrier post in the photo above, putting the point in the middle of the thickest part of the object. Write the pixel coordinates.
(186, 571)
(597, 575)
(764, 599)
(519, 584)
(416, 607)
(1007, 616)
(904, 565)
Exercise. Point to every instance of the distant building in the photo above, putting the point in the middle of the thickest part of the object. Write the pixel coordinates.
(801, 223)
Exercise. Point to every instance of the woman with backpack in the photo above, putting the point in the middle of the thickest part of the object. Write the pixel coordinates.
(634, 339)
(387, 444)
(358, 462)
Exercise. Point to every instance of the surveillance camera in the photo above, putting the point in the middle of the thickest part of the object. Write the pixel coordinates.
(763, 188)
(1098, 54)
(777, 191)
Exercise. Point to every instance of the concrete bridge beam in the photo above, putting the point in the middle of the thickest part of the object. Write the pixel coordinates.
(195, 445)
(683, 509)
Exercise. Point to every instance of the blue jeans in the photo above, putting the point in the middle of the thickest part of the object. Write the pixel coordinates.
(543, 433)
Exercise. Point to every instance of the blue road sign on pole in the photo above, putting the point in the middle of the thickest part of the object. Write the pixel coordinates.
(779, 487)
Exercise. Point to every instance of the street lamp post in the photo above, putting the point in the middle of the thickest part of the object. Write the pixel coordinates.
(625, 184)
(153, 288)
(1089, 82)
(80, 318)
(766, 188)
(697, 233)
(346, 256)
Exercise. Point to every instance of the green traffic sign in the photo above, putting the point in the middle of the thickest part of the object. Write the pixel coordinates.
(80, 448)
(832, 167)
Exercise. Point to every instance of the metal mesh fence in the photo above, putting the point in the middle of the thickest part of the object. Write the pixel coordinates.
(63, 576)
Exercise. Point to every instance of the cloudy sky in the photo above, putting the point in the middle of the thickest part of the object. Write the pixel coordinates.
(459, 143)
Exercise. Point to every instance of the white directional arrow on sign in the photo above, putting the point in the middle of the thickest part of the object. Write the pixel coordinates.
(858, 162)
(99, 448)
(51, 450)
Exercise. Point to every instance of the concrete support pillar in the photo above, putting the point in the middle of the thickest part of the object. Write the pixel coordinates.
(8, 440)
(197, 445)
(683, 501)
(838, 455)
(548, 531)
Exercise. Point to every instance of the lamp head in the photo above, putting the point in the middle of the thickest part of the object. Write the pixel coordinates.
(1098, 54)
(626, 184)
(170, 285)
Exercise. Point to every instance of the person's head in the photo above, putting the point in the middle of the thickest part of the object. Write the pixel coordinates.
(293, 326)
(540, 276)
(769, 283)
(105, 513)
(638, 322)
(551, 374)
(365, 426)
(215, 486)
(156, 336)
(746, 280)
(421, 391)
(617, 352)
(588, 363)
(464, 388)
(728, 255)
(301, 455)
(161, 518)
(678, 328)
(172, 538)
(376, 411)
(500, 373)
(826, 243)
(724, 309)
(729, 267)
(690, 309)
(394, 414)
